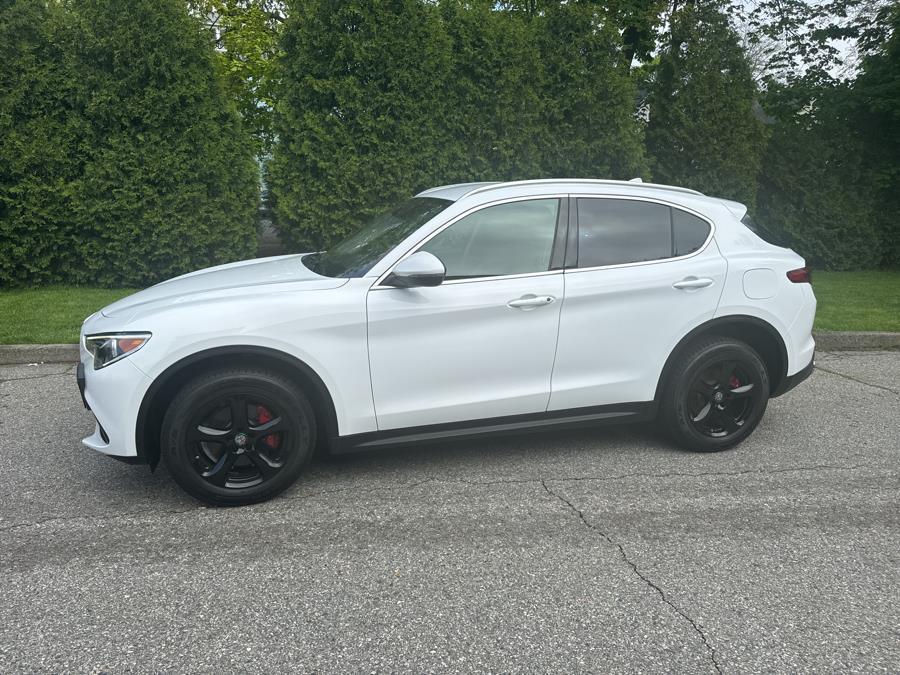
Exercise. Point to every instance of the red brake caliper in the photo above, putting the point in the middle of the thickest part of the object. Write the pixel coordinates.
(262, 416)
(733, 382)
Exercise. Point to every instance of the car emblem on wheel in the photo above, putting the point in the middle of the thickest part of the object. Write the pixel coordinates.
(240, 440)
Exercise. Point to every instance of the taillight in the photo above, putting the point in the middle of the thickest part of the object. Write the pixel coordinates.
(802, 275)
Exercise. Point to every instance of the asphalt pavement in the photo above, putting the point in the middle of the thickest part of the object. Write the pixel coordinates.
(591, 551)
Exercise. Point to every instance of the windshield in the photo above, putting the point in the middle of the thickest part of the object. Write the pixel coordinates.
(356, 255)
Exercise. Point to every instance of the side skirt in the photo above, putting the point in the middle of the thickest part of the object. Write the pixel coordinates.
(620, 413)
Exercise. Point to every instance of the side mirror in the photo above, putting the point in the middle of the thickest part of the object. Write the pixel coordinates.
(419, 269)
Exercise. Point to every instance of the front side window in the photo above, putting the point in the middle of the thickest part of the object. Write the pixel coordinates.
(621, 231)
(512, 238)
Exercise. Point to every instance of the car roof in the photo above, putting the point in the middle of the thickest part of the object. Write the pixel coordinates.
(457, 191)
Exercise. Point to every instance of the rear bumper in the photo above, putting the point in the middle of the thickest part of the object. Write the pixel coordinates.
(791, 381)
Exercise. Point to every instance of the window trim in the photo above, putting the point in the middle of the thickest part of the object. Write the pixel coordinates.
(572, 263)
(378, 285)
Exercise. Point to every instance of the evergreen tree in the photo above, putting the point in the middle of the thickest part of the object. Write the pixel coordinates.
(380, 99)
(814, 187)
(702, 131)
(171, 183)
(589, 127)
(40, 142)
(877, 96)
(123, 161)
(492, 100)
(360, 117)
(830, 170)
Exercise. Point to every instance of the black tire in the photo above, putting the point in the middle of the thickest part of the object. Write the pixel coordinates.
(715, 395)
(224, 463)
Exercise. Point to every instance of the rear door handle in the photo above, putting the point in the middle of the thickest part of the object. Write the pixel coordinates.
(692, 283)
(530, 301)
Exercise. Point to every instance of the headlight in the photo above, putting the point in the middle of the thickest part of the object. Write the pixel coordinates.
(110, 348)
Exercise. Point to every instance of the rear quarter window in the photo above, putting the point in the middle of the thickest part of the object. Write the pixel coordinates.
(761, 231)
(689, 232)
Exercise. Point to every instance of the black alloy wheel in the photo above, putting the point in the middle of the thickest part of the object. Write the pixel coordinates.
(722, 399)
(239, 441)
(715, 394)
(238, 436)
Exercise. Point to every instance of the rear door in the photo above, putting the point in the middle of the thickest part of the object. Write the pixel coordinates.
(644, 274)
(480, 345)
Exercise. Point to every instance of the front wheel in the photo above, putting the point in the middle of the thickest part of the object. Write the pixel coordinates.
(715, 395)
(237, 436)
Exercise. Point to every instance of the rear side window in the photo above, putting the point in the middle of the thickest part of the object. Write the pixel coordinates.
(620, 231)
(616, 231)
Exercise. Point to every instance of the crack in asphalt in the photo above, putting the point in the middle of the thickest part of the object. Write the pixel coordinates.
(857, 380)
(711, 651)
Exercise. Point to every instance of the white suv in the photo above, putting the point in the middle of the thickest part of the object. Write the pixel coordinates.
(468, 309)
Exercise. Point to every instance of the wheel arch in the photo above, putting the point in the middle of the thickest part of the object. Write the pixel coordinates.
(162, 390)
(759, 334)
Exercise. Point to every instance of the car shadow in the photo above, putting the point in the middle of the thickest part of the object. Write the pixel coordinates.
(500, 449)
(114, 484)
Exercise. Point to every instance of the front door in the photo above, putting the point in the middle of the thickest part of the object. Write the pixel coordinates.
(481, 345)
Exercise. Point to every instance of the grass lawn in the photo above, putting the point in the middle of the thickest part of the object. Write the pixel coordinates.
(50, 315)
(857, 300)
(847, 301)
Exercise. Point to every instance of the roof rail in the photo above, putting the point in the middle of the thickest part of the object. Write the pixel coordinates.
(587, 181)
(438, 188)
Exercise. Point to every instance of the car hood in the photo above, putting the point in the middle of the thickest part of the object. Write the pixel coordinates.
(232, 279)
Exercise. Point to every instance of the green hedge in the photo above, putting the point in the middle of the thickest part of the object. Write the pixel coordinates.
(814, 192)
(121, 159)
(703, 132)
(382, 98)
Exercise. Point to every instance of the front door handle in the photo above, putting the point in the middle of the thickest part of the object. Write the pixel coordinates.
(530, 301)
(692, 283)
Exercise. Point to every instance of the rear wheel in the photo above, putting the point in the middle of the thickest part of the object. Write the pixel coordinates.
(237, 436)
(715, 396)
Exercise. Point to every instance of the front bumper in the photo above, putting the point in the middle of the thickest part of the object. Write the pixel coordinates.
(113, 394)
(79, 378)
